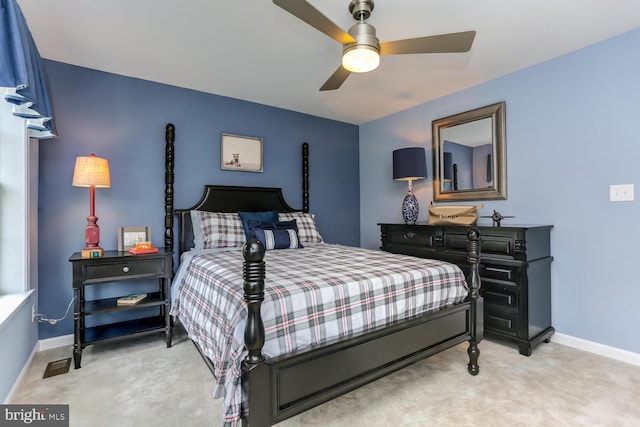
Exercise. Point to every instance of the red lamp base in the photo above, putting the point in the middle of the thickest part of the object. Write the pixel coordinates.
(92, 238)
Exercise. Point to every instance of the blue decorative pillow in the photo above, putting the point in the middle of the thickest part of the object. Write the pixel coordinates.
(283, 238)
(268, 216)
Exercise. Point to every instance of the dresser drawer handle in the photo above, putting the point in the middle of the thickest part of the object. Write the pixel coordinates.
(125, 269)
(409, 235)
(498, 270)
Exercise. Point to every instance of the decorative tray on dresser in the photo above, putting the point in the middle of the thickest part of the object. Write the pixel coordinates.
(515, 272)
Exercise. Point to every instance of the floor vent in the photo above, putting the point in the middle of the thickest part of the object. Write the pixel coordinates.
(56, 368)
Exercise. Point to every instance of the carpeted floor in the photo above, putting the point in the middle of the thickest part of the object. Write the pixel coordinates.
(139, 382)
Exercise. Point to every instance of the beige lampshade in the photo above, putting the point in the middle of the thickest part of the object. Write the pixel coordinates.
(91, 171)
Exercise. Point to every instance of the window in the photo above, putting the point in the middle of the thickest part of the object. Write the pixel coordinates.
(18, 209)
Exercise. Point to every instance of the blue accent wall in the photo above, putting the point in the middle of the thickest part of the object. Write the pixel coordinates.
(123, 120)
(572, 130)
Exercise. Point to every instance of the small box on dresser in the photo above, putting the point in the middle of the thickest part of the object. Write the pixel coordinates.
(515, 273)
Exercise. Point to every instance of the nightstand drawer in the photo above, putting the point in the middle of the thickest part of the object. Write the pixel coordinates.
(123, 270)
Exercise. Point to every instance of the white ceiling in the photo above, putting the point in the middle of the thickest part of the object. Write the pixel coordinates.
(256, 51)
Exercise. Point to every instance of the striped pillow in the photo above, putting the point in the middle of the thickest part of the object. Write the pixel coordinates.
(277, 238)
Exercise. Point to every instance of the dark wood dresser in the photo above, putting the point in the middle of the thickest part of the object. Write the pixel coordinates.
(515, 272)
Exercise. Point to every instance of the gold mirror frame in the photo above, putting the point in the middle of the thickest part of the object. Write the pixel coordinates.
(498, 189)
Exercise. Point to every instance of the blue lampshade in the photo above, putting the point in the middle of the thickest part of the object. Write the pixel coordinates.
(409, 164)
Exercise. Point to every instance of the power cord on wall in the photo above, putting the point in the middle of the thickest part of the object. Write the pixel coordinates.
(42, 318)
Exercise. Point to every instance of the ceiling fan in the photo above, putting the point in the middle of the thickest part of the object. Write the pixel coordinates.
(361, 48)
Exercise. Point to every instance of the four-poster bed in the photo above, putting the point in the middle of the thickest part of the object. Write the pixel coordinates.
(276, 387)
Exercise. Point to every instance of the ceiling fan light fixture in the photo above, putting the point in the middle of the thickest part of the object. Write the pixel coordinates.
(360, 59)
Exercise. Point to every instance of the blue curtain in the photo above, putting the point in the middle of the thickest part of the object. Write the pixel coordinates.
(22, 74)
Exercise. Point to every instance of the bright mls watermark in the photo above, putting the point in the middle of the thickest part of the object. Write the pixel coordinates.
(34, 415)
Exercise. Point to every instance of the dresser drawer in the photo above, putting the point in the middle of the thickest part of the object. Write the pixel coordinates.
(501, 246)
(507, 274)
(502, 294)
(124, 270)
(411, 238)
(501, 322)
(407, 236)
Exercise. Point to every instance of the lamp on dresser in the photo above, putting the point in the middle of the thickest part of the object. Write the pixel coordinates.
(93, 172)
(409, 164)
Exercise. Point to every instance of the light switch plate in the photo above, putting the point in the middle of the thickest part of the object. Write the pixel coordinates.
(621, 193)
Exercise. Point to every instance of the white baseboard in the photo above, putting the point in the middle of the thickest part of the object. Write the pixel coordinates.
(23, 372)
(55, 342)
(600, 349)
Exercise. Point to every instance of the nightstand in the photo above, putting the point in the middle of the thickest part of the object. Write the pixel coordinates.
(117, 266)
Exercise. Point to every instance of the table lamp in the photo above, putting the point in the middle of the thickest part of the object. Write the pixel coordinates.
(409, 164)
(92, 172)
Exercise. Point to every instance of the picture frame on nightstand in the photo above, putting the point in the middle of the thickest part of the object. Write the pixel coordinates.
(129, 236)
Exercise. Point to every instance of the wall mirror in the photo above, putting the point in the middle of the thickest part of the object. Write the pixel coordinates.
(469, 157)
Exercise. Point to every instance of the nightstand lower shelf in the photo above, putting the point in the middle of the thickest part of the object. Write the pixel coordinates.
(128, 327)
(111, 304)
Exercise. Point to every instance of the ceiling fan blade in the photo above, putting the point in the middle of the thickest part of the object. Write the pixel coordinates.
(336, 79)
(304, 11)
(443, 43)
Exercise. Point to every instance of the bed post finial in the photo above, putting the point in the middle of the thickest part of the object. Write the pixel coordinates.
(477, 306)
(305, 177)
(170, 137)
(253, 276)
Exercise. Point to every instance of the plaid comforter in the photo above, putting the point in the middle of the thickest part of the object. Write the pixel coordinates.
(312, 295)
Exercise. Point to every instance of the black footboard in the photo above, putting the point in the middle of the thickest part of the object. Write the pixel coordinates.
(276, 389)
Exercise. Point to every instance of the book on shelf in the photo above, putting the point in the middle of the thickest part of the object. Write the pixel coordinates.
(138, 251)
(131, 299)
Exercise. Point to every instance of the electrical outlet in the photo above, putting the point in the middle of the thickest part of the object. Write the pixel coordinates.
(621, 193)
(33, 313)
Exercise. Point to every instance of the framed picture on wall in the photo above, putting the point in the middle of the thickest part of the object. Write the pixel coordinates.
(129, 236)
(240, 153)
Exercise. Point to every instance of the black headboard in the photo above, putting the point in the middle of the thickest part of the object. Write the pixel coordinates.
(223, 198)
